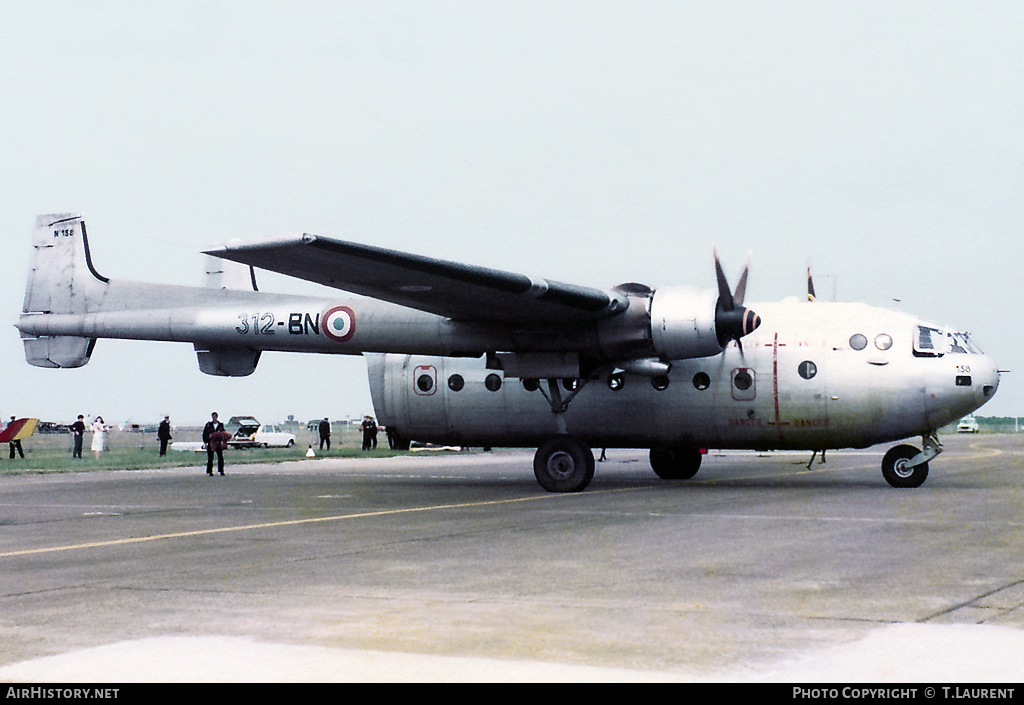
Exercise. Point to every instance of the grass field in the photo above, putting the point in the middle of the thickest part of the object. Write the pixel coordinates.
(48, 453)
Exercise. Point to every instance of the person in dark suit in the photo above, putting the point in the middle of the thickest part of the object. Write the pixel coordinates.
(78, 431)
(16, 446)
(325, 433)
(164, 434)
(216, 440)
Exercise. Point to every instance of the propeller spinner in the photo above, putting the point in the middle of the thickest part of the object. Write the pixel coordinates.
(732, 319)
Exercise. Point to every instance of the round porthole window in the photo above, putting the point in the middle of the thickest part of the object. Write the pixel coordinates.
(456, 383)
(807, 369)
(743, 380)
(492, 382)
(531, 384)
(701, 381)
(616, 382)
(858, 341)
(425, 383)
(883, 341)
(660, 382)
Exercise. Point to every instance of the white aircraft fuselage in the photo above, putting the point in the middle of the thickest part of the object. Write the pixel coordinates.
(676, 369)
(796, 384)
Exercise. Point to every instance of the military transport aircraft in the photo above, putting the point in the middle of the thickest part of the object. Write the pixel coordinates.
(460, 354)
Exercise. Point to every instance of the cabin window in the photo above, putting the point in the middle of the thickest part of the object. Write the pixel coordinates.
(807, 369)
(858, 341)
(660, 382)
(570, 384)
(743, 380)
(616, 382)
(492, 382)
(531, 384)
(456, 383)
(883, 341)
(743, 388)
(425, 383)
(701, 381)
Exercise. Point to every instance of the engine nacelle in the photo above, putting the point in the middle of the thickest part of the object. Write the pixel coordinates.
(683, 323)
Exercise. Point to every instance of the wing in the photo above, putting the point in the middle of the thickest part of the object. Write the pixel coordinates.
(451, 289)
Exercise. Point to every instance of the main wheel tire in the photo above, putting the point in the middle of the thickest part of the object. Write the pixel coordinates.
(563, 464)
(675, 463)
(896, 472)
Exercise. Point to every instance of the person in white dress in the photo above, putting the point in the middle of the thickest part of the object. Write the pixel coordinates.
(99, 437)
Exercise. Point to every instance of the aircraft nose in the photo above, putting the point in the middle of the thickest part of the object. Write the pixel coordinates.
(988, 378)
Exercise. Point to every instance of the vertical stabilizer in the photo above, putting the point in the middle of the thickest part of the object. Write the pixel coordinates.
(61, 279)
(225, 274)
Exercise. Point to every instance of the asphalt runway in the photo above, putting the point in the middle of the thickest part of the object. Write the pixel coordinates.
(460, 567)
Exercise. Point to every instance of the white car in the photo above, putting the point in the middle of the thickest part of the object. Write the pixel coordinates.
(252, 434)
(967, 424)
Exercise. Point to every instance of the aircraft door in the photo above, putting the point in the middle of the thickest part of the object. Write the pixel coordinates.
(801, 396)
(413, 402)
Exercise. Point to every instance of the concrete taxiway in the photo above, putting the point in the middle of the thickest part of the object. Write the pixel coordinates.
(460, 567)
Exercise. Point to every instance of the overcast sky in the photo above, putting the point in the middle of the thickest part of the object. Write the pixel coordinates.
(589, 142)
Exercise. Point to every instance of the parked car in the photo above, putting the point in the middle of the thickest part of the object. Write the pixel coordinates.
(967, 424)
(252, 434)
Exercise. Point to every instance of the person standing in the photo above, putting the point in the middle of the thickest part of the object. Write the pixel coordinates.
(164, 434)
(216, 440)
(325, 433)
(78, 432)
(16, 445)
(369, 429)
(99, 436)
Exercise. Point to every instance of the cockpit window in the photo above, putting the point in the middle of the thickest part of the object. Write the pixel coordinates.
(961, 343)
(936, 342)
(929, 342)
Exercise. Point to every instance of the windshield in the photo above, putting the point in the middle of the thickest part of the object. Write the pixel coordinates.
(962, 343)
(932, 341)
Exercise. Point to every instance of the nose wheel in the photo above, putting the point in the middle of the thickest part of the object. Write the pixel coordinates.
(906, 466)
(564, 464)
(898, 470)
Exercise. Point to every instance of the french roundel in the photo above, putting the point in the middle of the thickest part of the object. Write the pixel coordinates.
(339, 323)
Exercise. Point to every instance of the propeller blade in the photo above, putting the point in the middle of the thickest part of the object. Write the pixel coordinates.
(732, 319)
(725, 299)
(741, 288)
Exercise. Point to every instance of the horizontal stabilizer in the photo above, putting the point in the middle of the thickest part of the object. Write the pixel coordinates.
(58, 351)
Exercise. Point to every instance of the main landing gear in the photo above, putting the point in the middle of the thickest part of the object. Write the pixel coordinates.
(563, 463)
(675, 463)
(566, 464)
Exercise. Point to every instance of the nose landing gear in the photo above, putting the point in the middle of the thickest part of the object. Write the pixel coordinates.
(906, 466)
